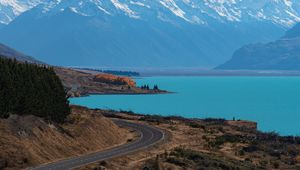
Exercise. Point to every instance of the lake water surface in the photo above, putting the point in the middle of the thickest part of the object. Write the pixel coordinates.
(273, 102)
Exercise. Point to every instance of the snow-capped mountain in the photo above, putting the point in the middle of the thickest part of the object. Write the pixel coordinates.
(150, 33)
(283, 12)
(10, 9)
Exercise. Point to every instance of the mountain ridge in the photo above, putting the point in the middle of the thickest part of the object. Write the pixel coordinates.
(8, 52)
(281, 12)
(282, 54)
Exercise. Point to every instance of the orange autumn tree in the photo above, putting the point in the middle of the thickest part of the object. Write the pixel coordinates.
(115, 80)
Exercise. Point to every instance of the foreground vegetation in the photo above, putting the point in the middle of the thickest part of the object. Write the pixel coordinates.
(209, 144)
(191, 159)
(29, 89)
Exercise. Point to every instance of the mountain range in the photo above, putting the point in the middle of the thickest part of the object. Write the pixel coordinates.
(282, 54)
(139, 33)
(284, 12)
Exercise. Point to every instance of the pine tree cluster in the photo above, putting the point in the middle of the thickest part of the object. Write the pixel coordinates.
(31, 89)
(146, 87)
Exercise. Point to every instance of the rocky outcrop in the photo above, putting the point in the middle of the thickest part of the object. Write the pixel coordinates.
(243, 124)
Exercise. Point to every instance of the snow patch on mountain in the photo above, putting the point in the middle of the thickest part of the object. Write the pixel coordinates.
(172, 6)
(281, 12)
(125, 8)
(9, 9)
(139, 4)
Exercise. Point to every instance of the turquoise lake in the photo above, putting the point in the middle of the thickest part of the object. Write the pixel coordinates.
(273, 102)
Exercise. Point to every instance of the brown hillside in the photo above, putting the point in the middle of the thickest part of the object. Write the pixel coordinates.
(29, 141)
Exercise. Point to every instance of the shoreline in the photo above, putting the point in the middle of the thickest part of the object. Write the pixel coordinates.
(112, 114)
(204, 91)
(123, 93)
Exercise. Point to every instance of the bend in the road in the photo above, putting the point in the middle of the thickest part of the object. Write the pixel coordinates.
(148, 136)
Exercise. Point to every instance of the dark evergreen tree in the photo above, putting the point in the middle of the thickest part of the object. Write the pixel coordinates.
(155, 87)
(31, 89)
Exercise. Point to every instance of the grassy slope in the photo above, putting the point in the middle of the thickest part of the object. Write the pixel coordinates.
(29, 141)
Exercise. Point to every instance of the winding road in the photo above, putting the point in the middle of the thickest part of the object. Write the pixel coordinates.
(148, 136)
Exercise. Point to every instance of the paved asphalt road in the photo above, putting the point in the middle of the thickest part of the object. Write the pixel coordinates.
(148, 137)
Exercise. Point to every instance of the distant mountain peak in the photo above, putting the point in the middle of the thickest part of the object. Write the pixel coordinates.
(281, 12)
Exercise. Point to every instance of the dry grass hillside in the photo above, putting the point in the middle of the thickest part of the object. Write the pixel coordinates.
(28, 141)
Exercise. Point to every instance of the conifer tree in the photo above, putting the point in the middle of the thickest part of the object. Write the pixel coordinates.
(31, 89)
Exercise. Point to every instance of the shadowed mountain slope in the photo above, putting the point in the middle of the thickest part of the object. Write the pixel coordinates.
(283, 54)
